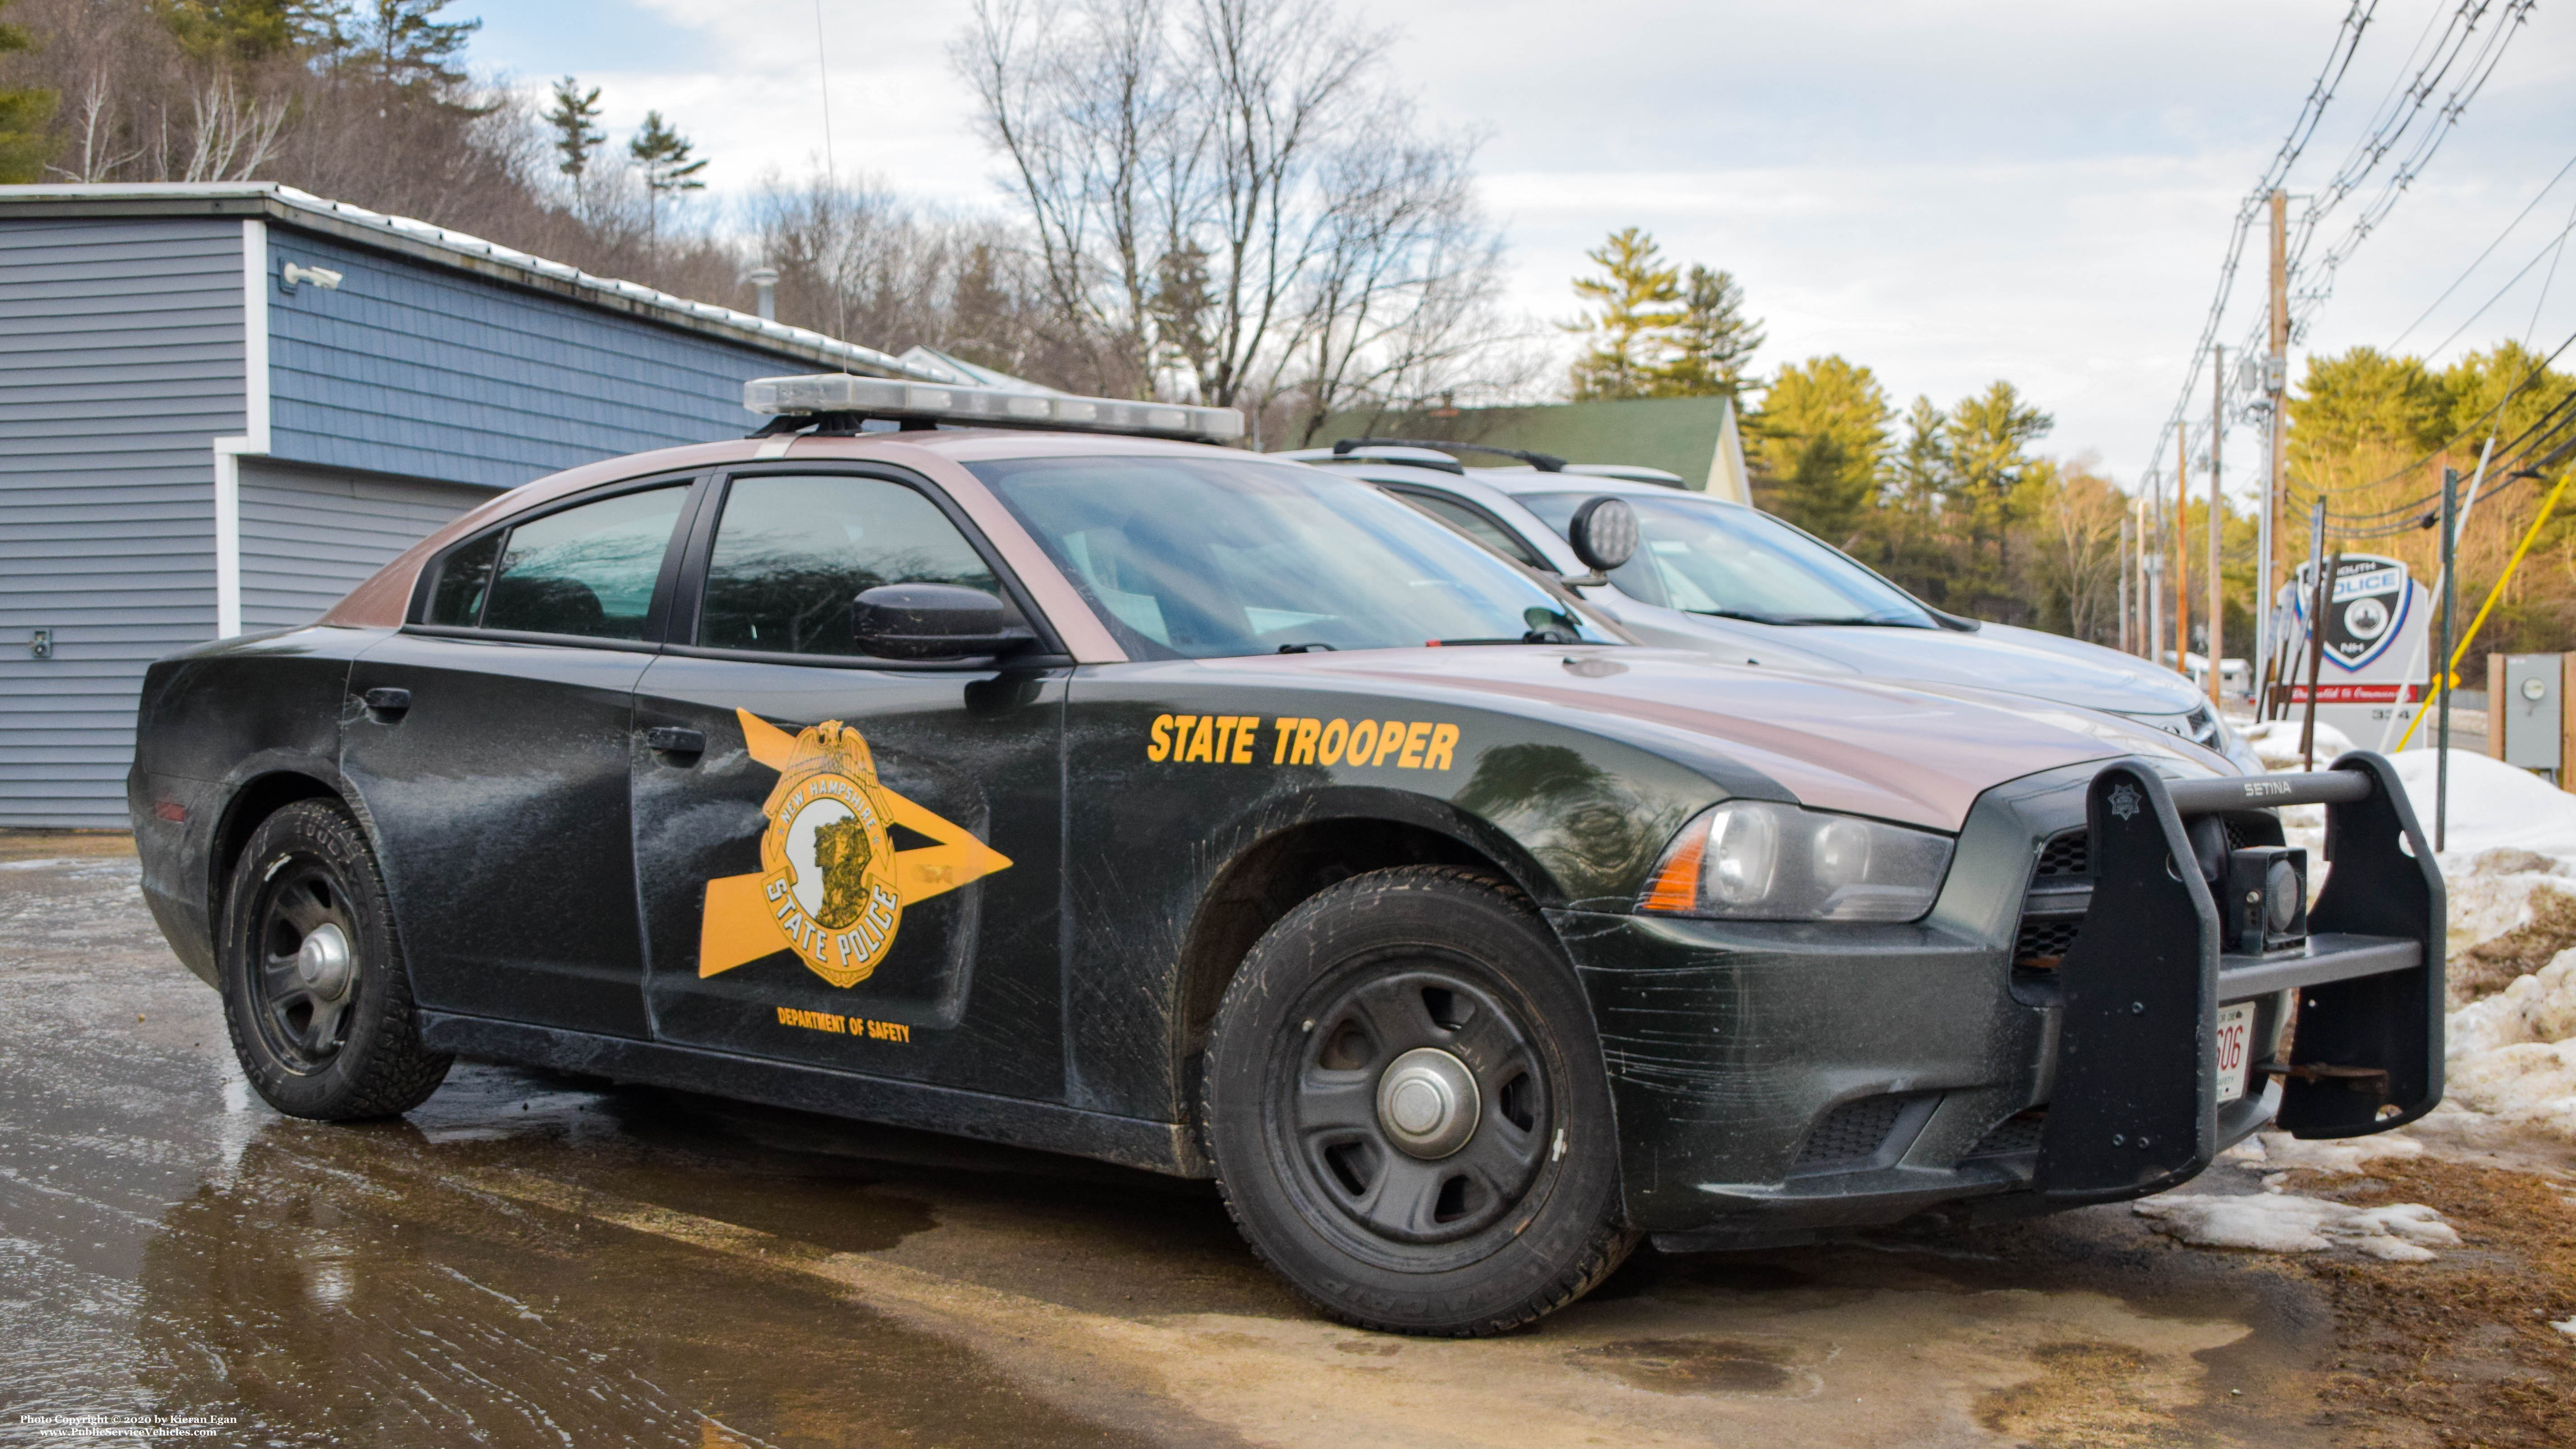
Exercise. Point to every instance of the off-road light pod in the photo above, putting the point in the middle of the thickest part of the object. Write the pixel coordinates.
(825, 397)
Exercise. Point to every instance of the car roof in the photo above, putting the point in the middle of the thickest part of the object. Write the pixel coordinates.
(384, 598)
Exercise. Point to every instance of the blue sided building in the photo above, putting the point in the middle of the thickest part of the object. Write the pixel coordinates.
(222, 406)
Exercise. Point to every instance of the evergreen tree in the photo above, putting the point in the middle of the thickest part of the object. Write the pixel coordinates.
(1711, 341)
(574, 118)
(663, 156)
(402, 43)
(1819, 439)
(1639, 300)
(24, 144)
(1988, 442)
(2365, 400)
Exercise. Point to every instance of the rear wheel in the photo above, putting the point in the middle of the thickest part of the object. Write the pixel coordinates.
(1407, 1108)
(315, 993)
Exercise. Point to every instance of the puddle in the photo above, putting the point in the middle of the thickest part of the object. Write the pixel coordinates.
(1696, 1365)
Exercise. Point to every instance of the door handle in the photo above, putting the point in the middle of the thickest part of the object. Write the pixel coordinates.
(672, 740)
(386, 706)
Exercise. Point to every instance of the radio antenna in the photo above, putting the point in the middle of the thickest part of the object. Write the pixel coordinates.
(831, 188)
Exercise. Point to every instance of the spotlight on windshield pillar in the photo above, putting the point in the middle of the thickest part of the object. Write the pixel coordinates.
(764, 292)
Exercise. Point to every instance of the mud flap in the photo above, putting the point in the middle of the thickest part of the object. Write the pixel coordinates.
(2135, 1105)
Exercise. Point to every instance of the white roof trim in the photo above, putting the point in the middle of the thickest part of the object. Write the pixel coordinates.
(415, 237)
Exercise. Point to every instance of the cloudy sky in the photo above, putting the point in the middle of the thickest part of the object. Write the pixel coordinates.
(1949, 193)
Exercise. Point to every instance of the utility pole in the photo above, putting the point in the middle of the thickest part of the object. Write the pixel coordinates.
(2217, 519)
(2127, 593)
(2182, 552)
(2276, 382)
(2442, 660)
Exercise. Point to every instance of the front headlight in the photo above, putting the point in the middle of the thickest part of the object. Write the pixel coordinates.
(1750, 860)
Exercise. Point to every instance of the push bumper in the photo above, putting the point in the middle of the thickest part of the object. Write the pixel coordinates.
(1774, 1079)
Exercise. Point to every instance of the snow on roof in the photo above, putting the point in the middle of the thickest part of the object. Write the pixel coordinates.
(437, 243)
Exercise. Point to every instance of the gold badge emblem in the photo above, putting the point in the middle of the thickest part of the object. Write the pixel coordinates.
(831, 886)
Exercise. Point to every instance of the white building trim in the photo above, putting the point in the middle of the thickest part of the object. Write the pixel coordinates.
(253, 440)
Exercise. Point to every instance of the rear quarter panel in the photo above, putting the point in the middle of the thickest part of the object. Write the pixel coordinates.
(212, 724)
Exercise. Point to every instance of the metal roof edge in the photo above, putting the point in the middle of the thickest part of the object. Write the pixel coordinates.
(421, 241)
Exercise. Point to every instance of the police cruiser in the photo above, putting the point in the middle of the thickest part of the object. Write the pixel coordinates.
(1034, 768)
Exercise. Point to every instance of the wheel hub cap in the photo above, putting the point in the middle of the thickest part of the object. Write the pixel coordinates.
(323, 962)
(1427, 1102)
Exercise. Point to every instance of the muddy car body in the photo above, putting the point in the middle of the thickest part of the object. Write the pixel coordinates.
(1424, 950)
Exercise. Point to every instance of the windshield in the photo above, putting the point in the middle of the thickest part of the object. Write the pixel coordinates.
(1204, 558)
(1704, 557)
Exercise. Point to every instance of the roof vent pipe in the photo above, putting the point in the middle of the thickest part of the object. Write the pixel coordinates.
(764, 291)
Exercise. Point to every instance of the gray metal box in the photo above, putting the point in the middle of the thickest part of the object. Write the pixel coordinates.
(2528, 709)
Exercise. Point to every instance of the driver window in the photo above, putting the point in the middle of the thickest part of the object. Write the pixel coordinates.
(793, 553)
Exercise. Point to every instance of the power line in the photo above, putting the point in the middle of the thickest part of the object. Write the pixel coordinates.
(2391, 123)
(2450, 51)
(2536, 198)
(2339, 56)
(2482, 421)
(2547, 248)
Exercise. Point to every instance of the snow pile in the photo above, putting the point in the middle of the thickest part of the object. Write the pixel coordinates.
(2513, 1055)
(2490, 893)
(2281, 1152)
(2540, 1007)
(2276, 743)
(2492, 805)
(2280, 1222)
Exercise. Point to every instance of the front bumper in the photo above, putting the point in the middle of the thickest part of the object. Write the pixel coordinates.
(1772, 1079)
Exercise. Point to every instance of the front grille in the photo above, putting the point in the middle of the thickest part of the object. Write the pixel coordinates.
(1852, 1132)
(2015, 1134)
(2042, 944)
(2068, 853)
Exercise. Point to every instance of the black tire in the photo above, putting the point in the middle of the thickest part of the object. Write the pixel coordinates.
(1515, 1220)
(315, 992)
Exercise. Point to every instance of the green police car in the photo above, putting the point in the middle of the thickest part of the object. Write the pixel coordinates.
(1036, 768)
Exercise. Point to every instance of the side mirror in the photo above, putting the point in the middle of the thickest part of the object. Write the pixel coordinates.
(1604, 533)
(934, 621)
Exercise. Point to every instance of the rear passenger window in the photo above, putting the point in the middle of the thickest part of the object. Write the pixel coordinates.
(793, 553)
(587, 571)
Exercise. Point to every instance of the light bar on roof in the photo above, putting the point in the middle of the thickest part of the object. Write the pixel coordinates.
(886, 397)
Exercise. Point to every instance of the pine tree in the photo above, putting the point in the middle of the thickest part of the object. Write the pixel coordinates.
(1818, 442)
(24, 144)
(663, 156)
(1712, 340)
(401, 43)
(1639, 300)
(1988, 441)
(575, 119)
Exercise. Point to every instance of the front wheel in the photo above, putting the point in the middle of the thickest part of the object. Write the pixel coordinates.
(1407, 1108)
(315, 993)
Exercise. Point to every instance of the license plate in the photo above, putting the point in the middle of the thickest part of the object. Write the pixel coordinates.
(2235, 1037)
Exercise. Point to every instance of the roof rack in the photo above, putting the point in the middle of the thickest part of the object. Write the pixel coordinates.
(1544, 462)
(838, 403)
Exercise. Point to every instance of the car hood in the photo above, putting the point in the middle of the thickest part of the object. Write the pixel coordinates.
(1996, 656)
(1914, 754)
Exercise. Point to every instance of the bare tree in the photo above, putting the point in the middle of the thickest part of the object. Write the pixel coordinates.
(1227, 196)
(2079, 547)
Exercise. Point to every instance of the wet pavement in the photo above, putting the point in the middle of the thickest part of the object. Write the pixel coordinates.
(533, 1259)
